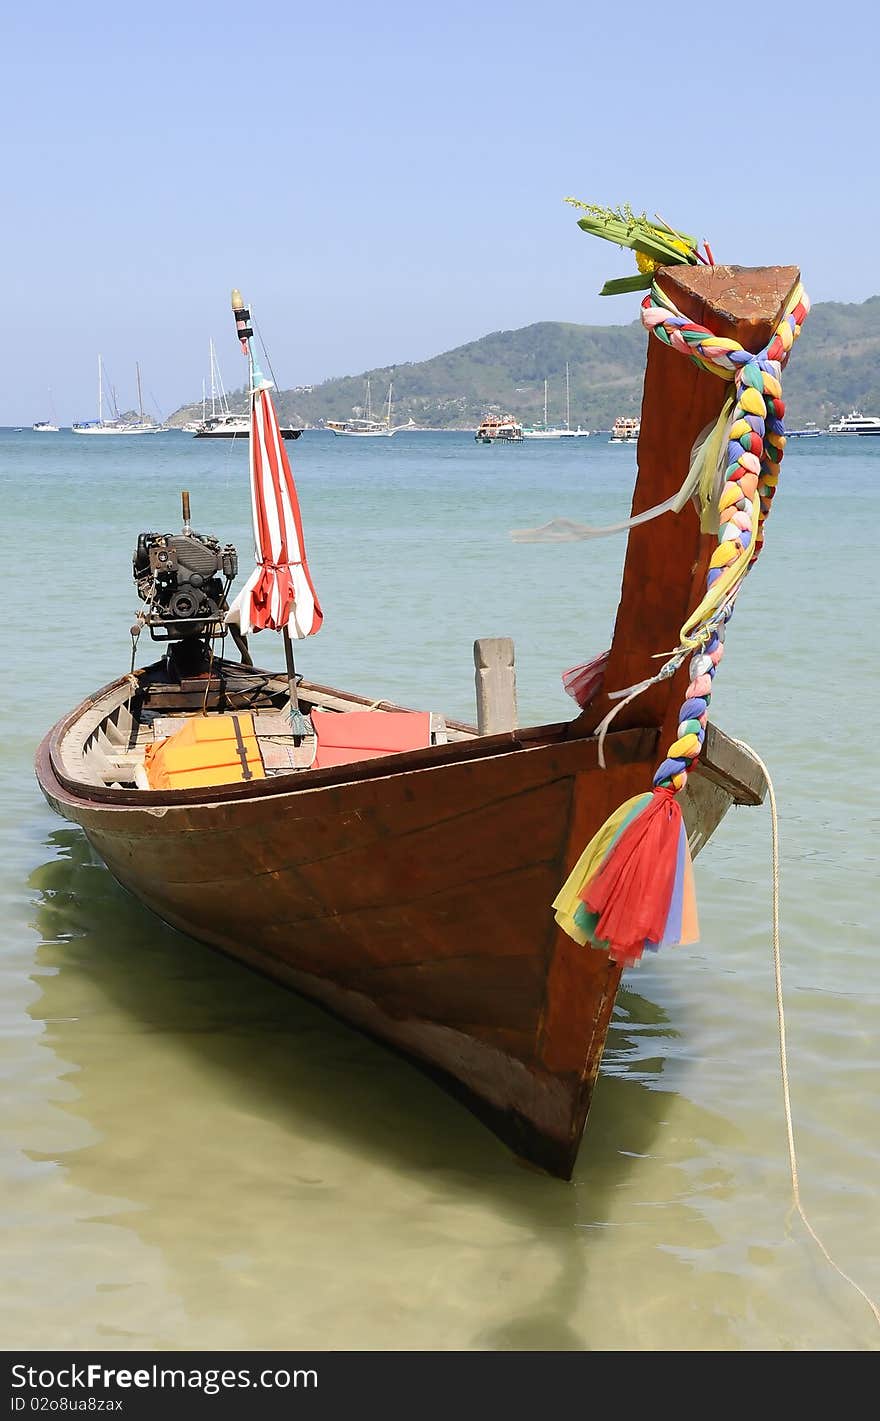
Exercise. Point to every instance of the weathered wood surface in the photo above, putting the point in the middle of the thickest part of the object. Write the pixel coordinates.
(667, 560)
(416, 905)
(495, 681)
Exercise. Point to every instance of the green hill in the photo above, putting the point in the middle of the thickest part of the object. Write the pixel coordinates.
(836, 368)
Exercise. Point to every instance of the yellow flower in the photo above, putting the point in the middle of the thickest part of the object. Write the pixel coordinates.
(647, 265)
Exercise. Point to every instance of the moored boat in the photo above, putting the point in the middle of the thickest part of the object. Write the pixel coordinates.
(234, 426)
(117, 425)
(556, 431)
(396, 867)
(625, 430)
(365, 426)
(499, 429)
(855, 423)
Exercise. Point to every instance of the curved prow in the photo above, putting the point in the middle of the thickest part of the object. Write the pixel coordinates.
(664, 574)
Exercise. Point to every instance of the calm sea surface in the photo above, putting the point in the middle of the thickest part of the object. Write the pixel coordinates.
(191, 1157)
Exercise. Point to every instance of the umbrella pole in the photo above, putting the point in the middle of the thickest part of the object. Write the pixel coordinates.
(299, 724)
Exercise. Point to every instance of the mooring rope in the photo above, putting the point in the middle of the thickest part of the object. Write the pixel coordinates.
(783, 1054)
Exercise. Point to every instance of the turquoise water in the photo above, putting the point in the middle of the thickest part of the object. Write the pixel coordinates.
(192, 1157)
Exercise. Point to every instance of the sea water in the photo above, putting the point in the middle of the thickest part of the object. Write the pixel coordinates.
(193, 1157)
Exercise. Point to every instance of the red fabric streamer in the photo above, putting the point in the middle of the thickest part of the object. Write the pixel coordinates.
(632, 891)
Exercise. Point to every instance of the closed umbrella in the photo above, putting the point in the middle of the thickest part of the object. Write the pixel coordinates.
(279, 594)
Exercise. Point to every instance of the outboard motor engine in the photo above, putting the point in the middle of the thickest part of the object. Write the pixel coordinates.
(184, 579)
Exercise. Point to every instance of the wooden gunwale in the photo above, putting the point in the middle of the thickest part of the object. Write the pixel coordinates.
(726, 771)
(452, 752)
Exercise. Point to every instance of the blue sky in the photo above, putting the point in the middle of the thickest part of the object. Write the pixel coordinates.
(385, 182)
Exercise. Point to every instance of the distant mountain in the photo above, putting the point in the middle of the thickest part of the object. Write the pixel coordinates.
(836, 368)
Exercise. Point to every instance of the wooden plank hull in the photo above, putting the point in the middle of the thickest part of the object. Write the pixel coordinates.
(415, 905)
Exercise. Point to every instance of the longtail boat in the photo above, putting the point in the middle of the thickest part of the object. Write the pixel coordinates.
(408, 886)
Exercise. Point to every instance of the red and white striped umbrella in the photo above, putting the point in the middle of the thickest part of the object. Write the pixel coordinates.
(279, 592)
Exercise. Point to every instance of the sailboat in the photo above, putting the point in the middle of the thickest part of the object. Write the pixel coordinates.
(47, 426)
(544, 431)
(222, 423)
(365, 426)
(541, 431)
(568, 432)
(117, 425)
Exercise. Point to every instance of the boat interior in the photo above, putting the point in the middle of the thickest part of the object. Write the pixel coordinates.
(112, 740)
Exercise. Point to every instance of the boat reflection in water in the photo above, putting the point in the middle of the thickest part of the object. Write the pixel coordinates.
(193, 1116)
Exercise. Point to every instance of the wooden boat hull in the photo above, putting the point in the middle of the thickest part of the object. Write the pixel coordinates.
(412, 898)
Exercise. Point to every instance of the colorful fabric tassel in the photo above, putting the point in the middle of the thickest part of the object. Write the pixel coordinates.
(632, 889)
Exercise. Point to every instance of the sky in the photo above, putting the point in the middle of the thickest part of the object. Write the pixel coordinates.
(387, 182)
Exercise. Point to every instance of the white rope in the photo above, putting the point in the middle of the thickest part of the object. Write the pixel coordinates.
(780, 1013)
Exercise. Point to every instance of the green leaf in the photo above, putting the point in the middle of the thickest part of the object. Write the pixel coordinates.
(658, 249)
(622, 284)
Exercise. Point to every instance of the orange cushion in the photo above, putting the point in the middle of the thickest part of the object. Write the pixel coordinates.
(362, 735)
(205, 751)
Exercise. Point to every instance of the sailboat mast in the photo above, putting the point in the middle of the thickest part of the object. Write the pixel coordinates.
(567, 399)
(213, 385)
(100, 392)
(368, 413)
(140, 395)
(390, 388)
(203, 399)
(545, 404)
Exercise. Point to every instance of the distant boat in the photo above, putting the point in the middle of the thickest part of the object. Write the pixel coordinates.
(116, 425)
(545, 431)
(809, 431)
(568, 432)
(222, 423)
(499, 429)
(47, 426)
(365, 426)
(625, 430)
(235, 426)
(856, 424)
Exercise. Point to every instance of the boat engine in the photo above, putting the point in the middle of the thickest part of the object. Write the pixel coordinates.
(184, 579)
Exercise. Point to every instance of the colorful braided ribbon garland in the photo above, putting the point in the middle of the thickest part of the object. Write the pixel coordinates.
(632, 888)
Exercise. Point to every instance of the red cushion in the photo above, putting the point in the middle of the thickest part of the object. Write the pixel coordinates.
(362, 735)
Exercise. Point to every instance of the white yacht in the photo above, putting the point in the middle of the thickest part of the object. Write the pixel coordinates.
(47, 426)
(545, 431)
(234, 426)
(221, 423)
(117, 425)
(365, 426)
(856, 423)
